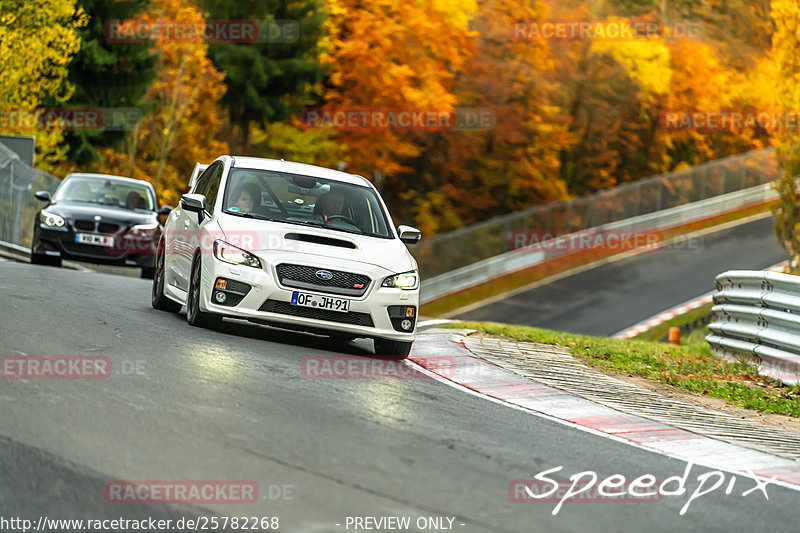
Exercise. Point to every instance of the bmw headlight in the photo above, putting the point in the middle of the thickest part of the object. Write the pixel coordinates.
(51, 219)
(406, 280)
(236, 256)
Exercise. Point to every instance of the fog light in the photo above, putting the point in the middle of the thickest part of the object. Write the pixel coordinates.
(406, 324)
(220, 297)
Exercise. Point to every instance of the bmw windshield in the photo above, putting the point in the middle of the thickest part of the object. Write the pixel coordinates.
(107, 192)
(305, 200)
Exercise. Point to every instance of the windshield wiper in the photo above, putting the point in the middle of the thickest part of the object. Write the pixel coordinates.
(253, 215)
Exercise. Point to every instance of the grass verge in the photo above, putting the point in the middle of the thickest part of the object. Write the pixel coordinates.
(657, 332)
(539, 272)
(688, 367)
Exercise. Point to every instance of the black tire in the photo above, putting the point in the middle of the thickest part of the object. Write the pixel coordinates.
(157, 298)
(194, 316)
(41, 259)
(148, 272)
(392, 349)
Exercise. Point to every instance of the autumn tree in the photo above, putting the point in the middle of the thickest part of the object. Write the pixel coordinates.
(181, 130)
(274, 77)
(786, 54)
(38, 39)
(471, 173)
(388, 55)
(107, 74)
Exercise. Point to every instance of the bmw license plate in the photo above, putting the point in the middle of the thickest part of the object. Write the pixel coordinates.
(320, 302)
(93, 238)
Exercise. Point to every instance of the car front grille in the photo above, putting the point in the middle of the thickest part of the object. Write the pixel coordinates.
(84, 225)
(285, 308)
(105, 227)
(91, 225)
(304, 277)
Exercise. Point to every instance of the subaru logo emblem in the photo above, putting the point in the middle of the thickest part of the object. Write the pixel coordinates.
(323, 274)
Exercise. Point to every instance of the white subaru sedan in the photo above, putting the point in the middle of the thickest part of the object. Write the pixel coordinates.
(289, 245)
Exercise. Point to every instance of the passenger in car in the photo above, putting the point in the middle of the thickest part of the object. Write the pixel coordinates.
(134, 200)
(331, 204)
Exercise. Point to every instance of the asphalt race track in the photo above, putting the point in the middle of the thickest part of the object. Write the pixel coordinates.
(190, 404)
(607, 299)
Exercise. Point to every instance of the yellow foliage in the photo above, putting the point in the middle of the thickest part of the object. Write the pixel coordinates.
(646, 59)
(38, 39)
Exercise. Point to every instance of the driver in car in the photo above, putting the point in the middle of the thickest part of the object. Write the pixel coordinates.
(332, 205)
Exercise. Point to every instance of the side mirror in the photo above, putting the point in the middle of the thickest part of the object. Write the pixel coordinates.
(409, 235)
(195, 203)
(165, 210)
(43, 196)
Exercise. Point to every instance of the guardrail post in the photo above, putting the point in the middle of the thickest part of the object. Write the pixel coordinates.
(703, 183)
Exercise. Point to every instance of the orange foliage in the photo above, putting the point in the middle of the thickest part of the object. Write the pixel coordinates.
(180, 130)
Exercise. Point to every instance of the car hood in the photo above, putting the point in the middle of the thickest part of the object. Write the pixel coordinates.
(72, 211)
(279, 239)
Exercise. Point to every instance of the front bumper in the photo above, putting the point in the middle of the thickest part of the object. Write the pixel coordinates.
(268, 301)
(61, 243)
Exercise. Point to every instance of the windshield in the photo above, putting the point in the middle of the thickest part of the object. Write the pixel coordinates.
(305, 200)
(106, 192)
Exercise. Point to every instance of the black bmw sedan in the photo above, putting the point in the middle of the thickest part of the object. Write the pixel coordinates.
(101, 219)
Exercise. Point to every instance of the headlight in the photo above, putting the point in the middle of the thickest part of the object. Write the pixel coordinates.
(235, 256)
(406, 280)
(52, 220)
(145, 227)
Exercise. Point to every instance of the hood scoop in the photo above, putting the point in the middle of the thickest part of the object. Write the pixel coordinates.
(318, 239)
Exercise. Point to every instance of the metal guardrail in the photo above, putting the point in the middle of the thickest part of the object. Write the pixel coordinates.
(21, 254)
(462, 247)
(508, 262)
(757, 318)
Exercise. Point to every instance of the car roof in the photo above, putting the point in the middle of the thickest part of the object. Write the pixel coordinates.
(259, 163)
(109, 177)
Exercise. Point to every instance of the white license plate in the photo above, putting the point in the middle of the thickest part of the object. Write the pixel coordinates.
(320, 302)
(92, 238)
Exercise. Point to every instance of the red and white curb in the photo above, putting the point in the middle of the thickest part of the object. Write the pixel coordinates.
(659, 319)
(681, 309)
(443, 349)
